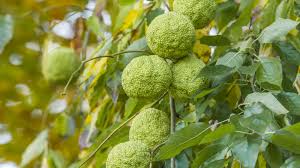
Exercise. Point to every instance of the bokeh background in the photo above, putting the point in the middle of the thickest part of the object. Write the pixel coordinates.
(24, 94)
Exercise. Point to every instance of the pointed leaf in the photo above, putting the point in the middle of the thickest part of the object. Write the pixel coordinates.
(257, 118)
(280, 28)
(217, 71)
(35, 149)
(218, 133)
(291, 101)
(232, 60)
(206, 153)
(217, 40)
(269, 74)
(247, 152)
(288, 52)
(292, 162)
(182, 139)
(288, 138)
(268, 100)
(6, 30)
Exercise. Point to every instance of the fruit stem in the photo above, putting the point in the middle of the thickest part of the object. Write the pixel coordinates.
(173, 124)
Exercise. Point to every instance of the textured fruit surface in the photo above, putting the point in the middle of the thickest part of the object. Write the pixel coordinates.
(132, 154)
(171, 35)
(185, 81)
(59, 64)
(201, 12)
(151, 127)
(146, 77)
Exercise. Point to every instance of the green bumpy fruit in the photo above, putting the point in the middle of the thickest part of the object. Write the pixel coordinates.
(201, 12)
(132, 154)
(171, 35)
(185, 81)
(151, 126)
(146, 77)
(59, 64)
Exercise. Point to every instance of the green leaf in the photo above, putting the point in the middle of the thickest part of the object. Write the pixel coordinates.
(273, 156)
(214, 164)
(226, 12)
(288, 52)
(218, 133)
(126, 2)
(249, 70)
(205, 92)
(235, 120)
(284, 9)
(294, 40)
(205, 154)
(232, 60)
(107, 45)
(247, 151)
(35, 149)
(292, 162)
(268, 100)
(217, 40)
(141, 45)
(94, 25)
(288, 138)
(182, 160)
(268, 14)
(182, 139)
(280, 28)
(234, 31)
(269, 74)
(291, 101)
(55, 159)
(217, 71)
(130, 105)
(6, 30)
(256, 118)
(64, 125)
(297, 8)
(153, 14)
(119, 137)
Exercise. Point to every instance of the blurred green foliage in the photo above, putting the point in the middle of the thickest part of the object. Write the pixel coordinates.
(249, 117)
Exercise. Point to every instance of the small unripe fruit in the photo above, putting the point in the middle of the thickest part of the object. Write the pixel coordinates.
(132, 154)
(185, 77)
(59, 64)
(171, 35)
(151, 127)
(201, 12)
(146, 77)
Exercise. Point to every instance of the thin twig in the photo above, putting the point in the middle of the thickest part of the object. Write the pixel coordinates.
(106, 139)
(88, 60)
(173, 124)
(116, 130)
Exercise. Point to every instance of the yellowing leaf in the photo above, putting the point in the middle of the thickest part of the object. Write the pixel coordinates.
(130, 19)
(234, 95)
(261, 161)
(202, 32)
(202, 51)
(235, 164)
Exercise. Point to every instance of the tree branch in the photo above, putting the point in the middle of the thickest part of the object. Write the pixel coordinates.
(173, 124)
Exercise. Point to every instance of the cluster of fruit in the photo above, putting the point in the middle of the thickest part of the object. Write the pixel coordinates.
(172, 68)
